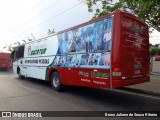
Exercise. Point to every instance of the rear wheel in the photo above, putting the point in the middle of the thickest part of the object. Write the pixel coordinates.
(56, 81)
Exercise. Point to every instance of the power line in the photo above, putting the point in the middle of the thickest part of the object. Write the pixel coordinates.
(36, 15)
(49, 19)
(35, 6)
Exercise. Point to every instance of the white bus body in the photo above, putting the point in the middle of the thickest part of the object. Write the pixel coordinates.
(38, 55)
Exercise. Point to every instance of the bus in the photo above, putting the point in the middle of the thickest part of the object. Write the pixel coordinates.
(5, 61)
(107, 52)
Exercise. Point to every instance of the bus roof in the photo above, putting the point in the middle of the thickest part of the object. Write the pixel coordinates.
(100, 18)
(85, 23)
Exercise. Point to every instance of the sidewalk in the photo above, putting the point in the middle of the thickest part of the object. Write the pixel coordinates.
(152, 87)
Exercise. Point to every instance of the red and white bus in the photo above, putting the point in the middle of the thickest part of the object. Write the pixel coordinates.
(108, 52)
(5, 61)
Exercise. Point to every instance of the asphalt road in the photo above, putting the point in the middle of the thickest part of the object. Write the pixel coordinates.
(35, 95)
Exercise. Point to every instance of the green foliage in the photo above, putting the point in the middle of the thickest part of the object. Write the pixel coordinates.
(154, 51)
(147, 10)
(156, 45)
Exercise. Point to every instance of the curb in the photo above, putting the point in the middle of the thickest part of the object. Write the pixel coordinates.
(155, 73)
(141, 91)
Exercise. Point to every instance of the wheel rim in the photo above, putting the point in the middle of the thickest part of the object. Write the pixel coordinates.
(55, 81)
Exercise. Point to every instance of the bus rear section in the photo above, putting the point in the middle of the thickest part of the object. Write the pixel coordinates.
(5, 61)
(130, 52)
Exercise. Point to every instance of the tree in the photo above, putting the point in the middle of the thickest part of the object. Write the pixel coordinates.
(53, 31)
(150, 45)
(9, 48)
(50, 32)
(147, 10)
(154, 51)
(33, 36)
(156, 45)
(24, 41)
(29, 39)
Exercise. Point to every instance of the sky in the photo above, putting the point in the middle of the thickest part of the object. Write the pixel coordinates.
(155, 37)
(21, 18)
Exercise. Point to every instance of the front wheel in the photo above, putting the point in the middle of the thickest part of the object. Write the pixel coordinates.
(19, 75)
(56, 81)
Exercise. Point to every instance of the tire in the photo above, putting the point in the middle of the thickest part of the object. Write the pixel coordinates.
(19, 75)
(56, 81)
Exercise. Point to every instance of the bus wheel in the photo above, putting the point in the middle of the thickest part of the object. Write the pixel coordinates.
(56, 81)
(19, 75)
